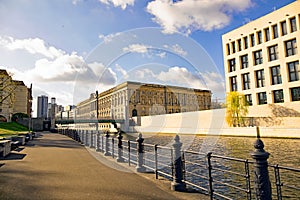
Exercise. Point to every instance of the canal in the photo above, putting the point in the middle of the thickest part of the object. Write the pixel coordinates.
(285, 152)
(282, 151)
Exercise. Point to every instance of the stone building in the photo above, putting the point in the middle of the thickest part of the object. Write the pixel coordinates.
(134, 99)
(261, 60)
(15, 97)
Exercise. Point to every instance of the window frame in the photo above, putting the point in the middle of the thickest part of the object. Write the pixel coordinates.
(233, 83)
(275, 31)
(244, 62)
(276, 94)
(297, 96)
(260, 78)
(283, 26)
(267, 34)
(293, 24)
(246, 81)
(276, 75)
(263, 100)
(295, 70)
(232, 65)
(258, 57)
(290, 47)
(273, 52)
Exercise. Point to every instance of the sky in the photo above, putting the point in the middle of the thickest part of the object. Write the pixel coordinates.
(70, 48)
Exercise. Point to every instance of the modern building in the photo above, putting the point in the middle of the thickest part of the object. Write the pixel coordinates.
(134, 99)
(261, 60)
(42, 107)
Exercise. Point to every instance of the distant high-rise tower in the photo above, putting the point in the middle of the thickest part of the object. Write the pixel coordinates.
(42, 106)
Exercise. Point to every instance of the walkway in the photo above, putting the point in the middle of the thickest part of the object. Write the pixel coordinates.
(56, 167)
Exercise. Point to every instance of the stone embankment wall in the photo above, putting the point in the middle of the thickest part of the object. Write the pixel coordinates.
(213, 122)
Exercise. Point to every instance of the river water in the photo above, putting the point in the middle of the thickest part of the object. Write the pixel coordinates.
(285, 152)
(282, 151)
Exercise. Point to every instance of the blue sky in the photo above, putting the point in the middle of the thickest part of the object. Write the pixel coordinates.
(63, 46)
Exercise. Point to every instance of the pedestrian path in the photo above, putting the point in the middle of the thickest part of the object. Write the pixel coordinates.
(56, 167)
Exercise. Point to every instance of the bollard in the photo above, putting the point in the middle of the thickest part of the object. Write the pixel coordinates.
(98, 141)
(91, 140)
(120, 148)
(177, 184)
(140, 154)
(107, 144)
(86, 138)
(262, 182)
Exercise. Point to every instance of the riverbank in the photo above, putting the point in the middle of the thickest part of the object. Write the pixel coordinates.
(265, 132)
(55, 167)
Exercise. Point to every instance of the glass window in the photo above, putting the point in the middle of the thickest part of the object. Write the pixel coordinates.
(290, 47)
(262, 98)
(273, 52)
(260, 78)
(228, 49)
(246, 81)
(276, 76)
(244, 61)
(246, 42)
(267, 34)
(233, 47)
(293, 24)
(233, 83)
(252, 40)
(258, 59)
(259, 37)
(239, 45)
(293, 68)
(295, 93)
(249, 99)
(275, 31)
(283, 28)
(231, 64)
(278, 96)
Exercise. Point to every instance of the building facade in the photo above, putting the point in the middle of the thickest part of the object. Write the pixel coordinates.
(23, 98)
(15, 97)
(42, 106)
(134, 99)
(261, 60)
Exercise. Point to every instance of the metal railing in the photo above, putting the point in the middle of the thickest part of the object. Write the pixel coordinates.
(220, 177)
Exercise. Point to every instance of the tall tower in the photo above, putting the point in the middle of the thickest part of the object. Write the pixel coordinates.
(42, 106)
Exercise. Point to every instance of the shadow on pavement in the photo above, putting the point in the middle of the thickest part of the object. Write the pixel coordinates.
(14, 156)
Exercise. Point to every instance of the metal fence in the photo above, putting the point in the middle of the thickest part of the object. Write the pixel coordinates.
(220, 177)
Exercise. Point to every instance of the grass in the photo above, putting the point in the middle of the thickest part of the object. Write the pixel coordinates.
(8, 129)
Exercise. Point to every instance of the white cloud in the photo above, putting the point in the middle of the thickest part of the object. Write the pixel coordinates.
(190, 15)
(119, 3)
(31, 45)
(176, 48)
(181, 75)
(214, 81)
(108, 38)
(122, 71)
(137, 48)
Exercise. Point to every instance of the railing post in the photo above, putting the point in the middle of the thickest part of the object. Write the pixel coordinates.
(140, 154)
(86, 138)
(106, 153)
(261, 175)
(210, 179)
(92, 139)
(98, 141)
(177, 184)
(156, 161)
(120, 148)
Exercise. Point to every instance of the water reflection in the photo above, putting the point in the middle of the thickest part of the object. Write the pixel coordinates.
(282, 151)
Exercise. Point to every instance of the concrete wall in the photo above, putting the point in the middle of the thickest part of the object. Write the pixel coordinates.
(37, 123)
(213, 122)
